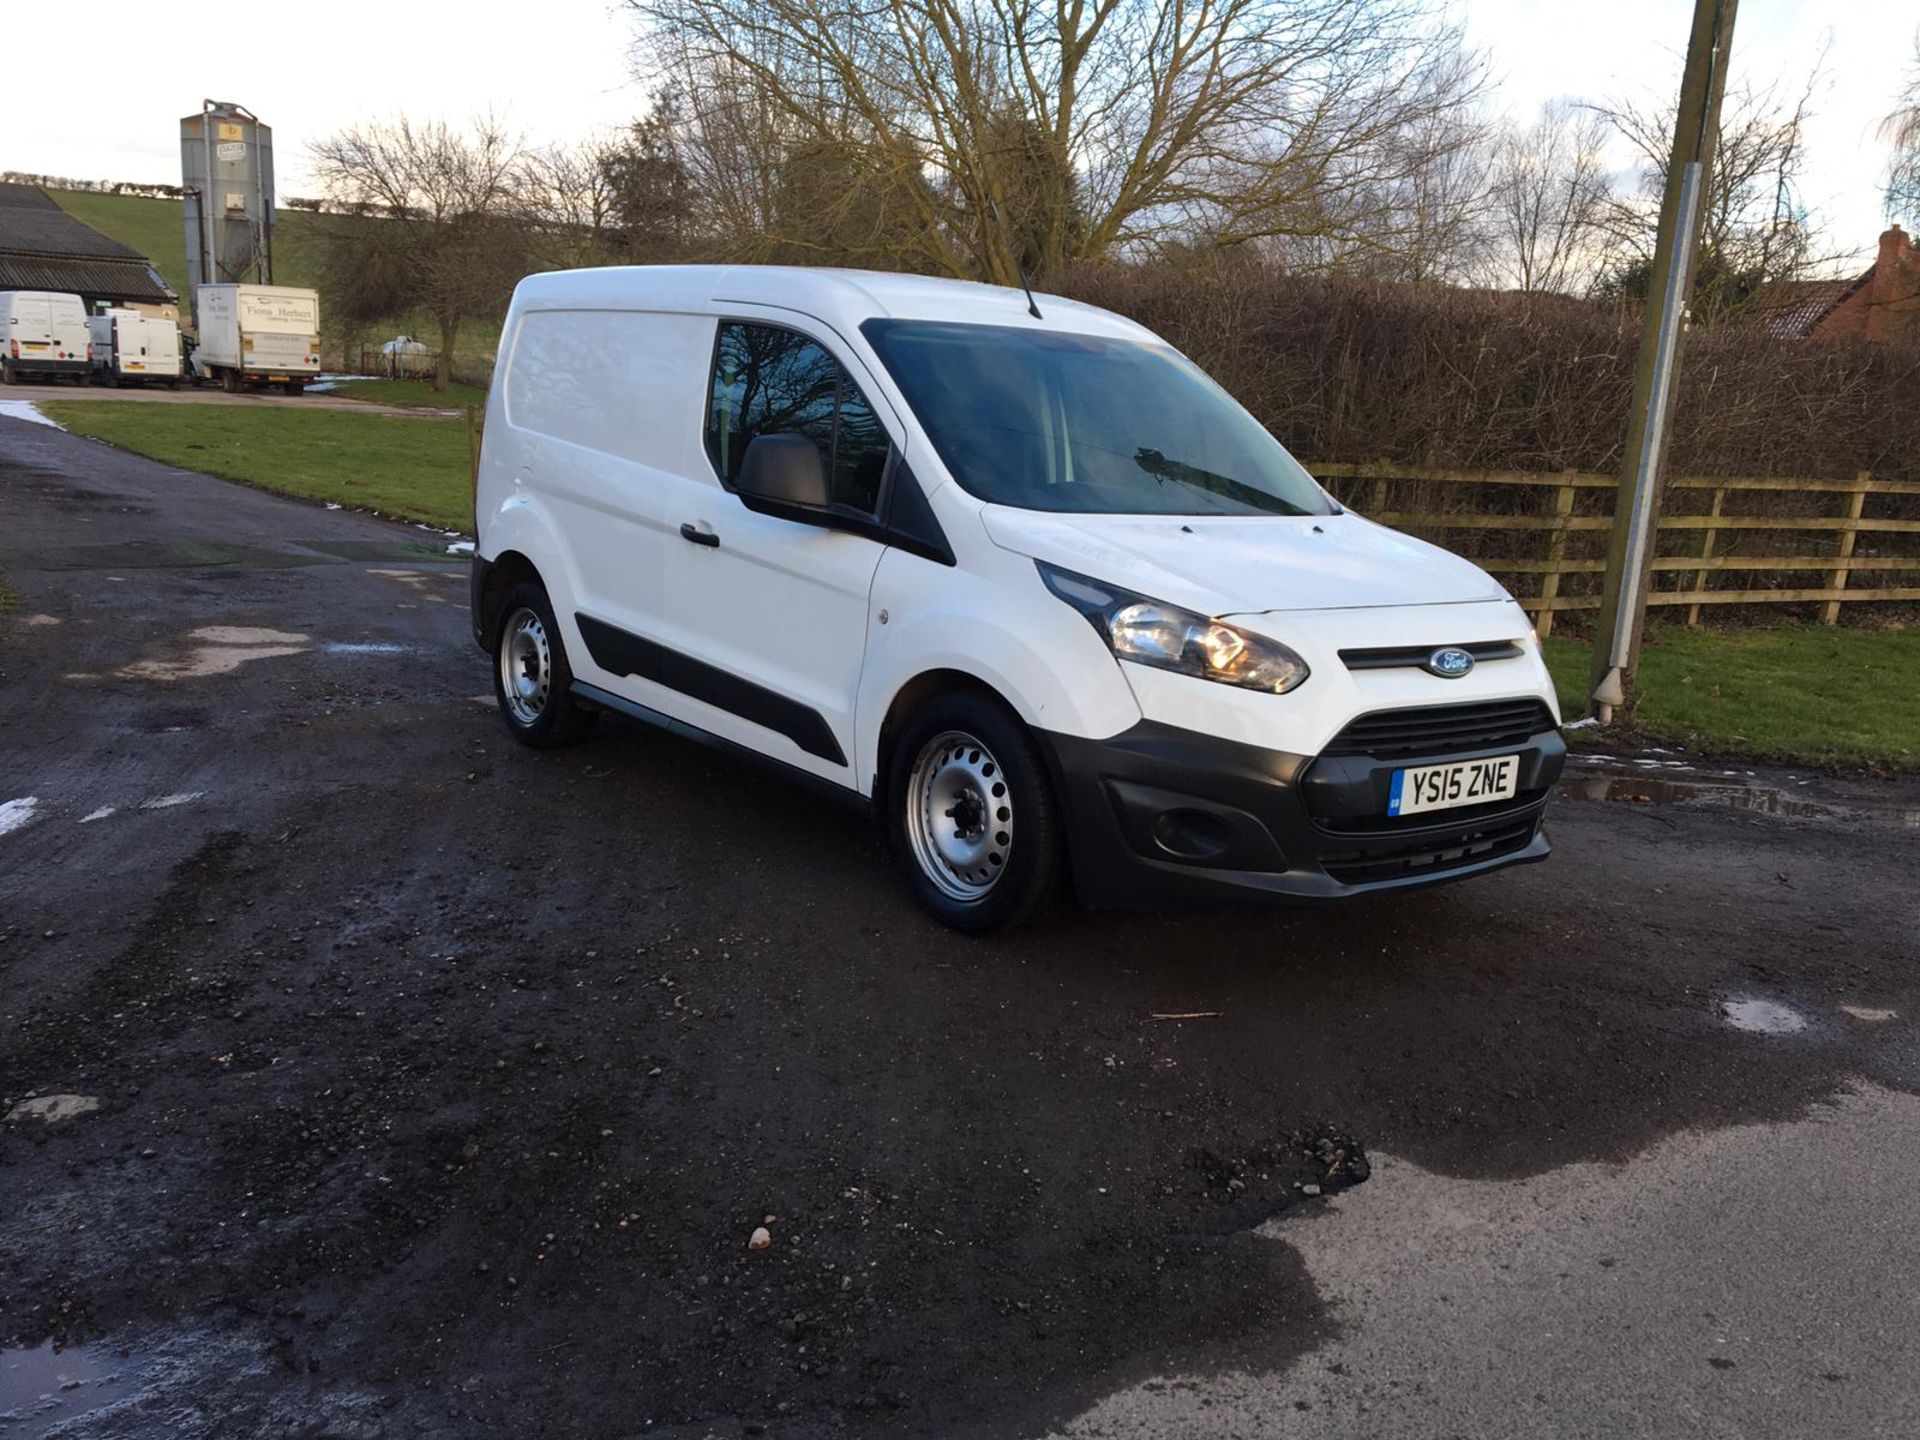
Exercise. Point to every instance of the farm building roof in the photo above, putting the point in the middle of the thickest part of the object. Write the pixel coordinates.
(42, 247)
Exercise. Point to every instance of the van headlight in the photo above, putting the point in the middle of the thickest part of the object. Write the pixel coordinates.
(1148, 632)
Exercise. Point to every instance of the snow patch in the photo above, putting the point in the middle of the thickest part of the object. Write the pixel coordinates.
(18, 813)
(167, 802)
(28, 411)
(100, 814)
(1762, 1017)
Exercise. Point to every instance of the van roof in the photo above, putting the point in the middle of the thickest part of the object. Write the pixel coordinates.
(843, 298)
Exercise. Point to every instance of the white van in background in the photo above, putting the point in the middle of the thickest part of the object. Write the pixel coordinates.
(129, 348)
(1010, 572)
(43, 334)
(257, 335)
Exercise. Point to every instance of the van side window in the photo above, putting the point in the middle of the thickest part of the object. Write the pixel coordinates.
(766, 381)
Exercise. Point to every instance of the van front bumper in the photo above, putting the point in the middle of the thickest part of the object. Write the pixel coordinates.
(1159, 815)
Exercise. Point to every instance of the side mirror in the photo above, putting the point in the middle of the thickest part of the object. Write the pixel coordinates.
(786, 468)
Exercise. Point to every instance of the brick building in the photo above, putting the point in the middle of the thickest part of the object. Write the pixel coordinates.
(1881, 304)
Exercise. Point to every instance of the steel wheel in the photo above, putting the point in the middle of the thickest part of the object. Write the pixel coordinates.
(526, 666)
(959, 816)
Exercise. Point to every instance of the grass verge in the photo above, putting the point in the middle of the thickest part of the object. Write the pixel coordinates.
(411, 469)
(1797, 693)
(410, 394)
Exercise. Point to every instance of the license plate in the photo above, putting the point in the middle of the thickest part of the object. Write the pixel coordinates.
(1464, 782)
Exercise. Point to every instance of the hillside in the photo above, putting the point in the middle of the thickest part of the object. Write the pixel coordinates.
(157, 230)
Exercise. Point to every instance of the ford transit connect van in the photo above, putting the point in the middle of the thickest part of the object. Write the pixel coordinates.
(1014, 574)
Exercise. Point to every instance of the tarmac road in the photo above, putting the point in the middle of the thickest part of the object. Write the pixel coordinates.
(206, 395)
(432, 1087)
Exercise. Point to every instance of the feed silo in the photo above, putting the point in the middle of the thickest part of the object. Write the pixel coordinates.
(226, 165)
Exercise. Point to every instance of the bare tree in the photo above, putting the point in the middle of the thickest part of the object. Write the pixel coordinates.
(1549, 186)
(981, 137)
(1756, 229)
(570, 197)
(1902, 131)
(432, 216)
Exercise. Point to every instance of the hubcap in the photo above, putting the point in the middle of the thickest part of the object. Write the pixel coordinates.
(959, 816)
(526, 666)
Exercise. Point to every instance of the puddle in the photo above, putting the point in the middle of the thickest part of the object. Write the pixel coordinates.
(1762, 1017)
(1871, 1014)
(1790, 796)
(54, 1108)
(223, 649)
(42, 1386)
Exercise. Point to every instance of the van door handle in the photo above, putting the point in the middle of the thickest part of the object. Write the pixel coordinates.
(698, 536)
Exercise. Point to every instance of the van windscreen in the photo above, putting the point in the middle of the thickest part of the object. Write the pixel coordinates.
(1087, 423)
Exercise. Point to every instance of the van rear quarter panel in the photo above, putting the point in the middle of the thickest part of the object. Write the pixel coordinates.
(599, 409)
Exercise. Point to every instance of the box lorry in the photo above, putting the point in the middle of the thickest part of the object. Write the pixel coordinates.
(42, 333)
(258, 335)
(129, 348)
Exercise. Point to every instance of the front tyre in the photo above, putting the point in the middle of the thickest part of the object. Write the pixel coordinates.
(532, 681)
(971, 815)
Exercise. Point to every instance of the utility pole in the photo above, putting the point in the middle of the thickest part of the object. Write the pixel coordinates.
(1636, 512)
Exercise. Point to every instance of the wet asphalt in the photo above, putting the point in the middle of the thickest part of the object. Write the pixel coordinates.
(438, 1085)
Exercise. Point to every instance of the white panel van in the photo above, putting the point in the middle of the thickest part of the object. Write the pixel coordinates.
(43, 335)
(1008, 571)
(129, 348)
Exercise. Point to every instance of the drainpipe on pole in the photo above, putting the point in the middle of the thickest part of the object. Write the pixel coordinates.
(1616, 647)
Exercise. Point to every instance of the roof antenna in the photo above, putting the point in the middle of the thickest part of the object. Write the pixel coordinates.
(1032, 309)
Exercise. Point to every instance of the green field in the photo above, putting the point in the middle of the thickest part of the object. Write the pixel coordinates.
(411, 469)
(157, 229)
(410, 394)
(1777, 692)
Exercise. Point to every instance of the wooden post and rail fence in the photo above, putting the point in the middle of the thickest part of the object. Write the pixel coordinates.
(1369, 489)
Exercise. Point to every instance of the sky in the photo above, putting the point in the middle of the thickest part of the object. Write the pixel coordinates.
(559, 70)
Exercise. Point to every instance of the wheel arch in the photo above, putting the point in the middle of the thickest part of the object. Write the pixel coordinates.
(914, 694)
(506, 570)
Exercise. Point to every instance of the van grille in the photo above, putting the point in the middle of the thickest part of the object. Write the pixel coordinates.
(1442, 729)
(1428, 855)
(1414, 657)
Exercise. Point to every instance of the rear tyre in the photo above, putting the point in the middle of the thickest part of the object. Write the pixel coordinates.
(972, 817)
(6, 374)
(230, 381)
(532, 680)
